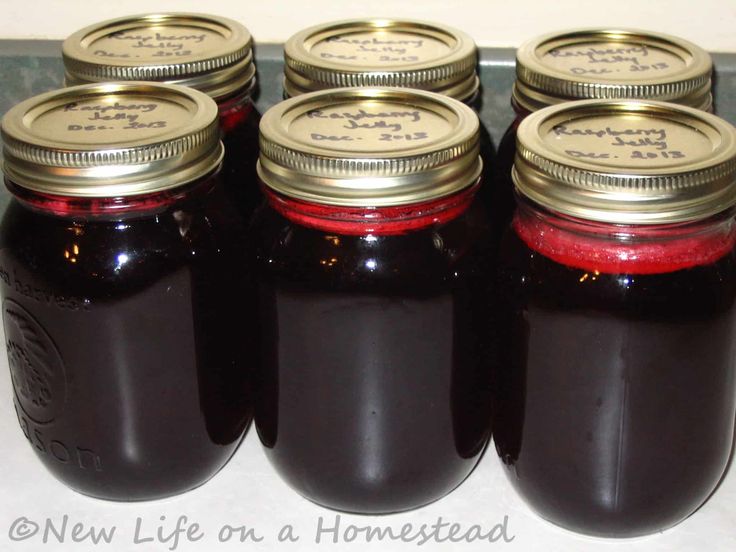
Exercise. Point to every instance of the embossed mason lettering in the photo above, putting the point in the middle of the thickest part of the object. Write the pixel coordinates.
(80, 457)
(36, 368)
(45, 296)
(123, 253)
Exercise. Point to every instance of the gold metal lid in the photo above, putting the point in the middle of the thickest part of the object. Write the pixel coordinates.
(369, 147)
(611, 64)
(109, 140)
(381, 52)
(210, 53)
(627, 162)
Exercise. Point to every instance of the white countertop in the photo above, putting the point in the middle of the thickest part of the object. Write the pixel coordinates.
(247, 492)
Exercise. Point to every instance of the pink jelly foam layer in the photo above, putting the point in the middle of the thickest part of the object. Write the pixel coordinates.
(652, 250)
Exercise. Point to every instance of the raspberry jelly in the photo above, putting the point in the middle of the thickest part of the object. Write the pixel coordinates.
(123, 284)
(372, 267)
(617, 392)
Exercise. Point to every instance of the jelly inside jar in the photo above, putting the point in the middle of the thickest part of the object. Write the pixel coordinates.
(617, 388)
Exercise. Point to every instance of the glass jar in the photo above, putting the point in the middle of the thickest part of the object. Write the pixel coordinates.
(616, 397)
(209, 53)
(123, 289)
(372, 265)
(387, 52)
(597, 64)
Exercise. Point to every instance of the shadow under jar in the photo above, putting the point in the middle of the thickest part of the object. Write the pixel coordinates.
(122, 287)
(372, 268)
(617, 389)
(585, 64)
(209, 53)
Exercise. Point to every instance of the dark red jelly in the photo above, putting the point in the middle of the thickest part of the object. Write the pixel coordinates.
(124, 288)
(373, 268)
(374, 394)
(239, 120)
(120, 326)
(499, 194)
(616, 389)
(616, 396)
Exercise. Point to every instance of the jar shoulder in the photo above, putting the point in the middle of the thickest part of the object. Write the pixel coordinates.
(529, 277)
(287, 251)
(77, 252)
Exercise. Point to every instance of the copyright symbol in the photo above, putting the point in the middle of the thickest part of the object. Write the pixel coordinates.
(22, 529)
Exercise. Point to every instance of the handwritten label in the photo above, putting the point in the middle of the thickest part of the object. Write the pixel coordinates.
(629, 141)
(156, 43)
(369, 127)
(380, 48)
(613, 60)
(108, 120)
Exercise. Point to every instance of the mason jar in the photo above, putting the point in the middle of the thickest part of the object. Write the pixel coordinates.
(209, 53)
(589, 63)
(372, 263)
(123, 288)
(617, 387)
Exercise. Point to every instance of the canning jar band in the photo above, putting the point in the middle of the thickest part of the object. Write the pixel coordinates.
(209, 53)
(614, 64)
(363, 53)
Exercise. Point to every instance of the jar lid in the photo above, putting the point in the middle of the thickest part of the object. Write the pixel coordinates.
(210, 53)
(611, 64)
(381, 52)
(627, 161)
(369, 147)
(109, 140)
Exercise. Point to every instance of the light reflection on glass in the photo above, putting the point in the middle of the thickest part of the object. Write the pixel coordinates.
(122, 259)
(72, 253)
